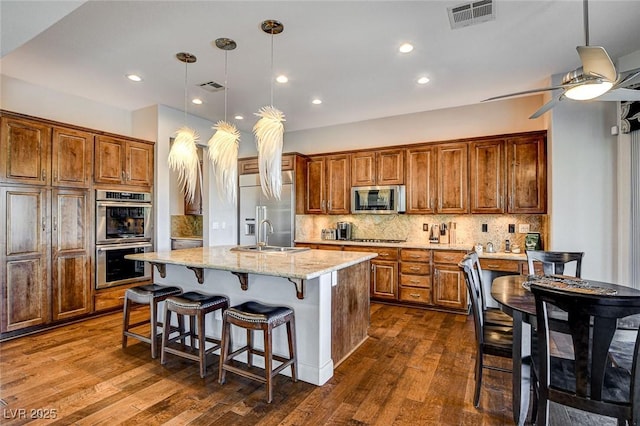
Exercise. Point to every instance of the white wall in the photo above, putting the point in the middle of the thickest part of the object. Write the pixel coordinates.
(25, 98)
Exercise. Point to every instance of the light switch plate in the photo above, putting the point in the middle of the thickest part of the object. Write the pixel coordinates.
(523, 228)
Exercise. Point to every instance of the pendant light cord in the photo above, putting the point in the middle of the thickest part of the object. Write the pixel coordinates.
(585, 9)
(225, 85)
(185, 93)
(271, 81)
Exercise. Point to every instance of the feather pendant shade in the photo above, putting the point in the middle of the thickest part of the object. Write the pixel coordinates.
(183, 159)
(269, 132)
(223, 153)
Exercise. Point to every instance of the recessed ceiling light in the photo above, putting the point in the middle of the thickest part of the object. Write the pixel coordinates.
(196, 101)
(282, 79)
(423, 80)
(316, 101)
(238, 117)
(405, 48)
(134, 77)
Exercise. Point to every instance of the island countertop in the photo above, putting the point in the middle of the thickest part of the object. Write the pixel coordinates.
(303, 265)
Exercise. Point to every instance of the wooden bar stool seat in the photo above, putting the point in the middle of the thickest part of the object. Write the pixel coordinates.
(256, 316)
(148, 294)
(196, 306)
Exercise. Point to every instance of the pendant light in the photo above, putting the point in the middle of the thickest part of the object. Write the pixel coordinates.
(183, 156)
(269, 131)
(223, 145)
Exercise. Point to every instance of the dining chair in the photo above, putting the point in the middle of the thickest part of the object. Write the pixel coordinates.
(553, 262)
(491, 339)
(491, 315)
(589, 381)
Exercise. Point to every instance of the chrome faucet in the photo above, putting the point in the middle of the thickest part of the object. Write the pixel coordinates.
(266, 234)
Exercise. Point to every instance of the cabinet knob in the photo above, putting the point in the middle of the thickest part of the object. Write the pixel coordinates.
(414, 295)
(383, 254)
(414, 268)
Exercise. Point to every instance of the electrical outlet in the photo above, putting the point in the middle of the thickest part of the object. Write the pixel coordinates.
(425, 227)
(523, 228)
(512, 228)
(485, 227)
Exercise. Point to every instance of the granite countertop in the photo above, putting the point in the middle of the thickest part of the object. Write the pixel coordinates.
(304, 265)
(426, 245)
(193, 237)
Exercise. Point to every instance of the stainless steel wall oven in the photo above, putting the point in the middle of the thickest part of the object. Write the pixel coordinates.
(123, 226)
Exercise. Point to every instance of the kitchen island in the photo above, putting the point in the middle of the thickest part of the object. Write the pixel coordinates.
(328, 291)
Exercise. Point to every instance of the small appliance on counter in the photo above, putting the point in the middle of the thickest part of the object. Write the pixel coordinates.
(343, 230)
(532, 241)
(434, 234)
(328, 234)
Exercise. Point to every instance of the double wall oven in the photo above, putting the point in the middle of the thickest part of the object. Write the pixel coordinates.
(123, 226)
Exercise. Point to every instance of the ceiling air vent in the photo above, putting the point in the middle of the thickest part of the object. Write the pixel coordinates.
(472, 13)
(212, 86)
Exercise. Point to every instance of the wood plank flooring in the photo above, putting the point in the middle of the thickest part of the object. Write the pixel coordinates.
(416, 368)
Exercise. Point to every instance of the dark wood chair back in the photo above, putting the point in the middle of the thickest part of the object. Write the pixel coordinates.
(474, 286)
(553, 262)
(589, 382)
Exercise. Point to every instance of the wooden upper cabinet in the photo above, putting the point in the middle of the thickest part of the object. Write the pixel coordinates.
(338, 188)
(121, 161)
(385, 167)
(527, 177)
(24, 151)
(71, 157)
(487, 176)
(452, 178)
(421, 178)
(315, 186)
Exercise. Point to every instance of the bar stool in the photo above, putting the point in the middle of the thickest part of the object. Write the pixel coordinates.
(148, 294)
(256, 316)
(196, 306)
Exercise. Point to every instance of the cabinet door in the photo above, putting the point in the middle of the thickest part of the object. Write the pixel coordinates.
(24, 258)
(139, 164)
(338, 184)
(24, 151)
(109, 160)
(527, 178)
(71, 157)
(71, 253)
(363, 169)
(449, 288)
(420, 179)
(384, 279)
(487, 177)
(315, 202)
(452, 178)
(390, 167)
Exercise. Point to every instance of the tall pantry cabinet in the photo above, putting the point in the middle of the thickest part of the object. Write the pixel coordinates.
(45, 211)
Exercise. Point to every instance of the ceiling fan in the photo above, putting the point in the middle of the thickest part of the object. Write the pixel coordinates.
(596, 78)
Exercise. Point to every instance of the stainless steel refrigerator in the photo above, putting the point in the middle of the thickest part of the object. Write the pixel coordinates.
(254, 208)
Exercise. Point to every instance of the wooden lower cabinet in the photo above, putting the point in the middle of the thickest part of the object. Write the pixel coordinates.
(449, 288)
(415, 276)
(24, 258)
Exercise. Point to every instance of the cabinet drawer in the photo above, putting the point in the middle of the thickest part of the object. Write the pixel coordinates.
(446, 256)
(384, 253)
(500, 265)
(248, 166)
(415, 295)
(415, 255)
(415, 280)
(178, 244)
(415, 268)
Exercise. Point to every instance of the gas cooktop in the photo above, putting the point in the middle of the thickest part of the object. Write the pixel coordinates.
(375, 240)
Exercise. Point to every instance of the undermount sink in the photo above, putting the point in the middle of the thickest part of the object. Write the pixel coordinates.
(269, 249)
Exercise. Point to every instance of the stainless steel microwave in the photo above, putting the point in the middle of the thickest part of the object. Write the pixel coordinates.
(378, 199)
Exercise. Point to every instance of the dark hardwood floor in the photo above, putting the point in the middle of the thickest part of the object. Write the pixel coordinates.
(415, 369)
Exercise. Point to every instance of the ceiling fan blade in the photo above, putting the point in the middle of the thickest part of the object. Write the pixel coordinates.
(621, 95)
(546, 107)
(628, 78)
(596, 61)
(525, 92)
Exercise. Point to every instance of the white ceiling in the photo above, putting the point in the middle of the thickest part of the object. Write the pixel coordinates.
(344, 52)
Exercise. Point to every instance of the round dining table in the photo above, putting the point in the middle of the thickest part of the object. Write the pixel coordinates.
(518, 302)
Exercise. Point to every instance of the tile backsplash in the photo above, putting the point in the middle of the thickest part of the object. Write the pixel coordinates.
(410, 227)
(186, 226)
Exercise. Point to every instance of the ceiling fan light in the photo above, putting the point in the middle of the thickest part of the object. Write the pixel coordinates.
(588, 91)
